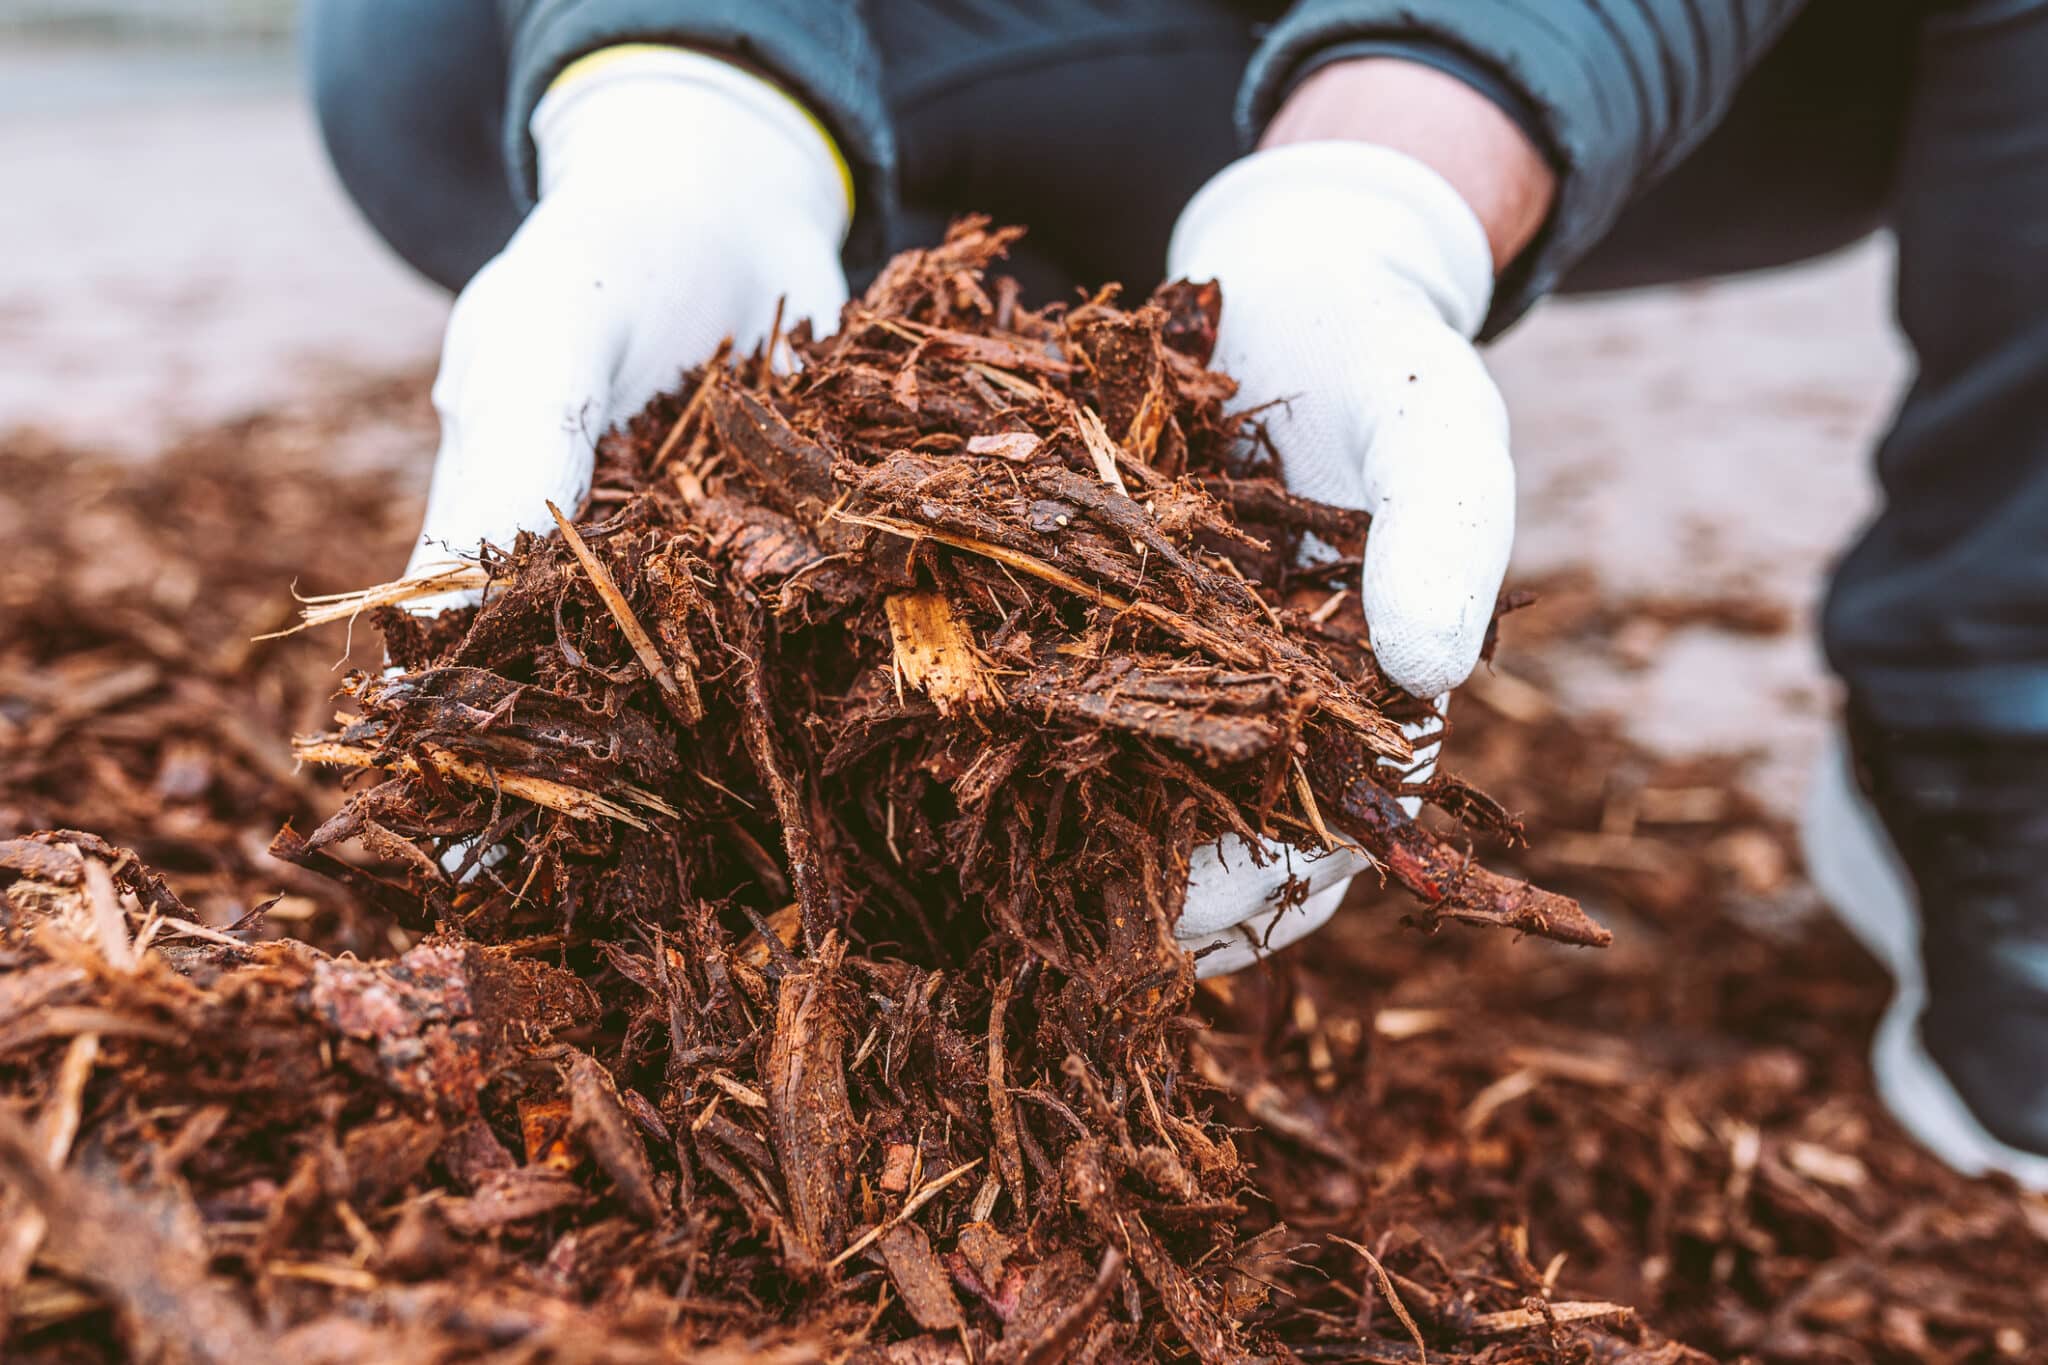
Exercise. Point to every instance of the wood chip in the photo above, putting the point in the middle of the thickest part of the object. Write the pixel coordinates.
(1007, 445)
(935, 655)
(920, 1279)
(1102, 450)
(679, 683)
(571, 801)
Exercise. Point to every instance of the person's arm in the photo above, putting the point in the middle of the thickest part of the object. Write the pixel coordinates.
(686, 168)
(682, 200)
(1612, 93)
(1411, 153)
(822, 55)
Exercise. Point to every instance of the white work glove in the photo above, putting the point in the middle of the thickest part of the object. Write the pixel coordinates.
(1354, 278)
(680, 199)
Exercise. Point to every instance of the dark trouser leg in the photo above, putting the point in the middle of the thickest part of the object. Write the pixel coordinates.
(1938, 619)
(411, 99)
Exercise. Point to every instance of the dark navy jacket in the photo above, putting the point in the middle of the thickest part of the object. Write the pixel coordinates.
(936, 103)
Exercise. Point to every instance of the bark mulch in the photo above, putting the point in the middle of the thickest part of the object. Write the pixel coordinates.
(747, 934)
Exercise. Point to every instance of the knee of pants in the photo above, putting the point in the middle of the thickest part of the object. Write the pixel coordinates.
(1950, 583)
(411, 99)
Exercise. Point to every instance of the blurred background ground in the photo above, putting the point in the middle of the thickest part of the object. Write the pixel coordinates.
(179, 255)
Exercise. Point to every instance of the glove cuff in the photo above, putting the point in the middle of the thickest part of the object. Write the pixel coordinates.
(661, 110)
(1353, 197)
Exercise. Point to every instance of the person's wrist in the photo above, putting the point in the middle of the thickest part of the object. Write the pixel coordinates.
(1439, 120)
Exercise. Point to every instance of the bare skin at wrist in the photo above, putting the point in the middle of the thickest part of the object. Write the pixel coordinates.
(1440, 121)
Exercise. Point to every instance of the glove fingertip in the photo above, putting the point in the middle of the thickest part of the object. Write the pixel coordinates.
(1426, 660)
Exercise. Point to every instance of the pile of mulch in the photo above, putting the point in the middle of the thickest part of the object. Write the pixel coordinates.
(604, 1081)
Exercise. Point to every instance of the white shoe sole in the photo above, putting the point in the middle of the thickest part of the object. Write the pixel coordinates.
(1858, 872)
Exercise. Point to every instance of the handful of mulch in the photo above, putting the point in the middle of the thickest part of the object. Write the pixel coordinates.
(801, 836)
(862, 733)
(983, 618)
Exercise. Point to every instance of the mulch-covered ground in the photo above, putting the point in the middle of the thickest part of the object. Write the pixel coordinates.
(367, 1123)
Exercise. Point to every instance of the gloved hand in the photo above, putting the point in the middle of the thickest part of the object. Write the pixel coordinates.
(1354, 278)
(680, 199)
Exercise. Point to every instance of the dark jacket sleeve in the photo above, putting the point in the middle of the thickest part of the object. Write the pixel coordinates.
(821, 51)
(1616, 90)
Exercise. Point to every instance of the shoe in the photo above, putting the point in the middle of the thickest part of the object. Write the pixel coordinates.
(1961, 1056)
